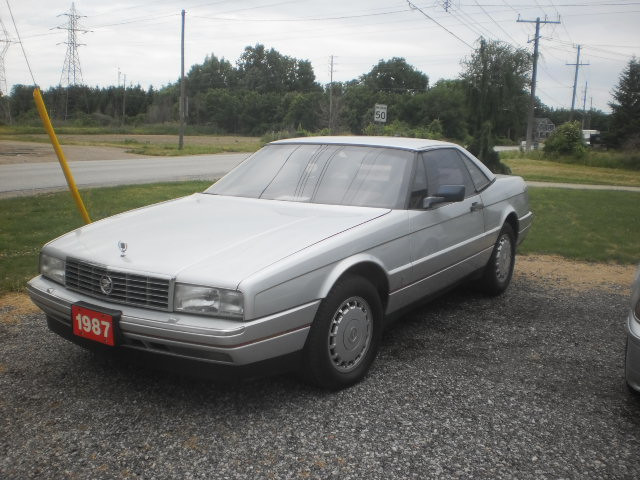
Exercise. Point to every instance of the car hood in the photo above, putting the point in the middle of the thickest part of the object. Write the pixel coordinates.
(210, 239)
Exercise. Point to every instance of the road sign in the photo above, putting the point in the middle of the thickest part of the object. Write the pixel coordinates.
(380, 113)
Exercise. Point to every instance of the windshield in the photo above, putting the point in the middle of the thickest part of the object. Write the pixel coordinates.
(330, 174)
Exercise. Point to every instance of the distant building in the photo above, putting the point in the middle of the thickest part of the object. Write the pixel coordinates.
(542, 128)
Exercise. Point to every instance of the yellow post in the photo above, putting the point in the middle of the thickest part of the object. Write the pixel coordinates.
(42, 110)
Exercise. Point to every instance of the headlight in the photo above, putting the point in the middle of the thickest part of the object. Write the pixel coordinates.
(52, 268)
(217, 302)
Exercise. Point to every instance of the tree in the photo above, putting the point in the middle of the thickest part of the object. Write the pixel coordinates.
(625, 117)
(357, 101)
(213, 73)
(497, 78)
(303, 110)
(446, 102)
(264, 70)
(395, 75)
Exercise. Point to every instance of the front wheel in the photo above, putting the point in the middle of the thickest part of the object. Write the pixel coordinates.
(345, 334)
(498, 272)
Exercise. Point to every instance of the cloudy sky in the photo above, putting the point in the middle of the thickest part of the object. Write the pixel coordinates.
(141, 38)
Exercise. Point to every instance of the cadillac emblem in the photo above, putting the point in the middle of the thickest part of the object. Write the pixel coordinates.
(106, 284)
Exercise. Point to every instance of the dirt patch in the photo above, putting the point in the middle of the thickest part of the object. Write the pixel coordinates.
(13, 305)
(12, 151)
(15, 151)
(574, 275)
(212, 140)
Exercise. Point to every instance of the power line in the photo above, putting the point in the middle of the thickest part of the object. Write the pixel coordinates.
(541, 8)
(302, 19)
(496, 23)
(603, 4)
(24, 53)
(438, 23)
(475, 26)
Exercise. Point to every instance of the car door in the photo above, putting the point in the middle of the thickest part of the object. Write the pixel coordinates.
(447, 237)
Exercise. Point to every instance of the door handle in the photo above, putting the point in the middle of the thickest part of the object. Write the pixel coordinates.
(475, 206)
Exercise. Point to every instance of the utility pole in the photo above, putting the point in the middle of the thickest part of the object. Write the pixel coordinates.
(331, 95)
(534, 74)
(182, 87)
(124, 96)
(575, 81)
(584, 104)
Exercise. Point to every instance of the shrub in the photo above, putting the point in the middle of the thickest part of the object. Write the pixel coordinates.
(566, 140)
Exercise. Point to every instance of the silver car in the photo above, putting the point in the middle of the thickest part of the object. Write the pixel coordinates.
(294, 259)
(632, 357)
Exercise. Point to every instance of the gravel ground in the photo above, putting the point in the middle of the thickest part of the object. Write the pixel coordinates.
(528, 385)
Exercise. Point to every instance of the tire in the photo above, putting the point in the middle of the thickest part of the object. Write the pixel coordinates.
(499, 270)
(632, 391)
(344, 337)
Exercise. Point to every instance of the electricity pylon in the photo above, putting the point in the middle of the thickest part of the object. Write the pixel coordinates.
(71, 71)
(4, 94)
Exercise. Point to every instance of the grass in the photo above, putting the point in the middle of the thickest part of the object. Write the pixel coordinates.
(547, 171)
(27, 223)
(167, 149)
(618, 159)
(591, 225)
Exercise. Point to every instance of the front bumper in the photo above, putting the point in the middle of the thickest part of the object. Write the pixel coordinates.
(183, 336)
(632, 360)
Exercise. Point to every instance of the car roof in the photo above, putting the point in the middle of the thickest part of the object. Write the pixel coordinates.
(415, 144)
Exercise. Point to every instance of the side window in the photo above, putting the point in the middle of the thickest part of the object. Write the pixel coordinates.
(419, 186)
(480, 180)
(445, 167)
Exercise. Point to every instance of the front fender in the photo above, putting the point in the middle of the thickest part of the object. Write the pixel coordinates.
(312, 286)
(350, 264)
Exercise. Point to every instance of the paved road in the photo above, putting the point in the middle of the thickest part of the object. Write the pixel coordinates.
(528, 385)
(28, 178)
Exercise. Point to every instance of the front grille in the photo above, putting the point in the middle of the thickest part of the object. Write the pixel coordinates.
(124, 287)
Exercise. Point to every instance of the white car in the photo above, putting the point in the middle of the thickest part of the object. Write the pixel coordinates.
(294, 258)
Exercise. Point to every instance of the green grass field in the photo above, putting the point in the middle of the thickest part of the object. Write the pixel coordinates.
(27, 223)
(546, 171)
(592, 225)
(599, 226)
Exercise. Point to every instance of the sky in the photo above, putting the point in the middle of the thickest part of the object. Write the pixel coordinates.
(141, 38)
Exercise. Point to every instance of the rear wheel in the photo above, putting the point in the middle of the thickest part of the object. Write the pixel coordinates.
(345, 334)
(498, 272)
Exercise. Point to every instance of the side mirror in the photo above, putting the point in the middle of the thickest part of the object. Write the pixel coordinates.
(445, 194)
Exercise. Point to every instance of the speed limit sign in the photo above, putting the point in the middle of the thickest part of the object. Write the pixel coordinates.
(380, 113)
